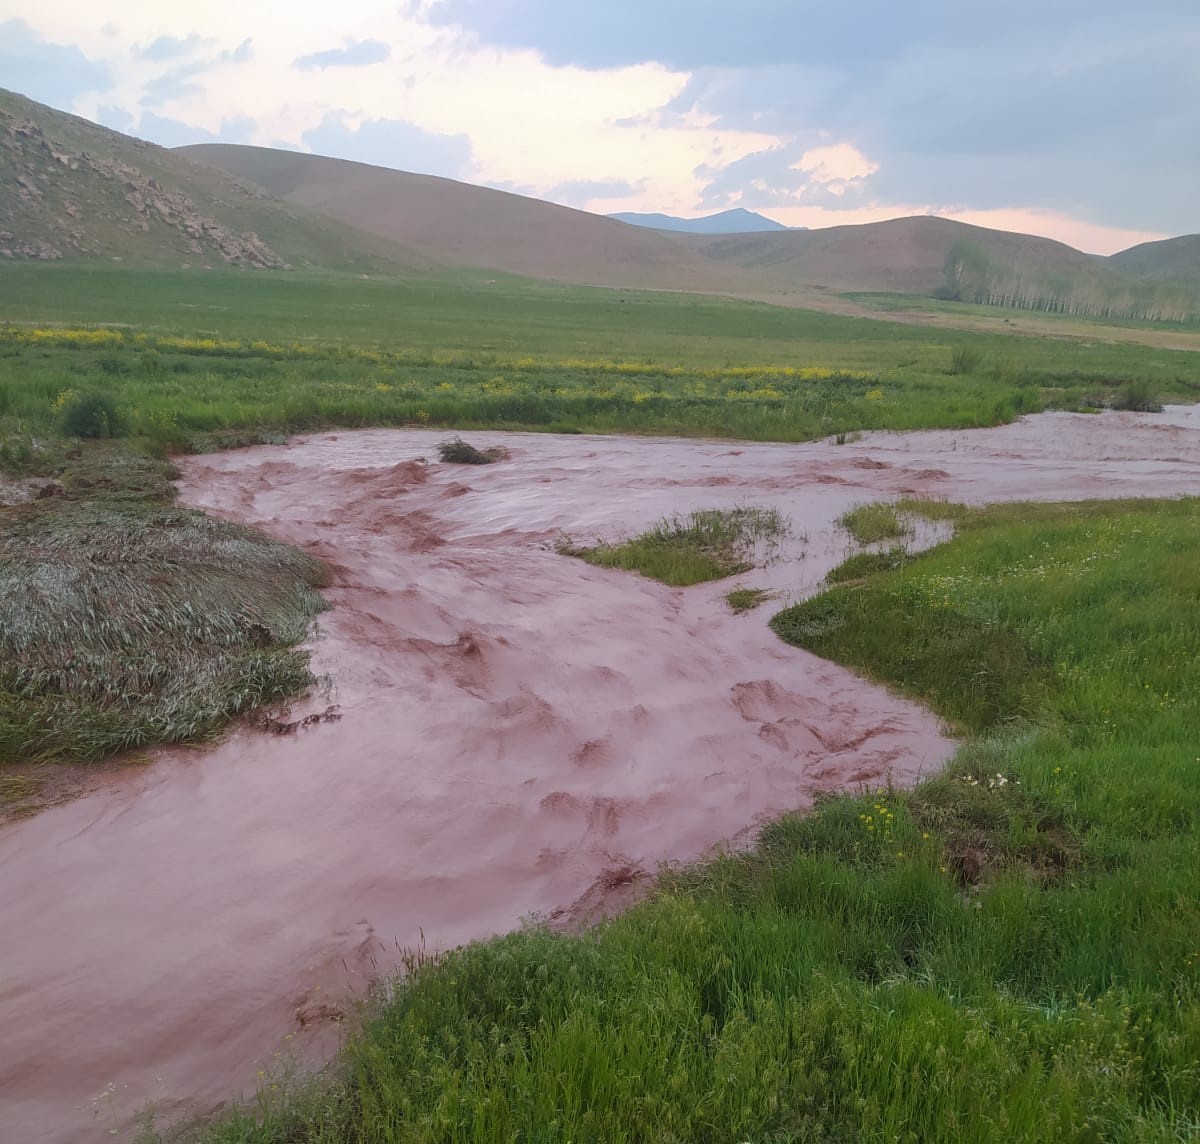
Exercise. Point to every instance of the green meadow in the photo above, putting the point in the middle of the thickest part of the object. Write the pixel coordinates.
(186, 359)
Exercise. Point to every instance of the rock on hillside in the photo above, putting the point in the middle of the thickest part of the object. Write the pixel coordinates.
(72, 189)
(62, 200)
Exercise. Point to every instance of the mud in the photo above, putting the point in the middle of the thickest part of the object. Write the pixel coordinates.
(505, 733)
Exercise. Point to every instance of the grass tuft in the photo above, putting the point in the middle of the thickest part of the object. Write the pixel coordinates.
(746, 599)
(870, 523)
(709, 544)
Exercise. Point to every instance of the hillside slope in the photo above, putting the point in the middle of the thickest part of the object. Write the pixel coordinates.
(70, 189)
(907, 255)
(1171, 260)
(468, 225)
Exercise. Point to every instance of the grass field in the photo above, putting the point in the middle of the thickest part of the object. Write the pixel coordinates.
(1011, 951)
(185, 356)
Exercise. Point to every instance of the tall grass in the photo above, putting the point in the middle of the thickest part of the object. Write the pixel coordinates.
(1009, 952)
(126, 620)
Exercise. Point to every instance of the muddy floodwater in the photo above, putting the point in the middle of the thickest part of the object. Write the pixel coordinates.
(520, 735)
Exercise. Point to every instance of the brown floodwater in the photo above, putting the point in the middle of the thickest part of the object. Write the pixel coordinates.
(520, 735)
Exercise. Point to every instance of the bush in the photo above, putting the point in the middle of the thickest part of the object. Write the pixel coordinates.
(1137, 397)
(92, 415)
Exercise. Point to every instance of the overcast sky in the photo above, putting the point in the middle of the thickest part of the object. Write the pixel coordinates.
(1077, 119)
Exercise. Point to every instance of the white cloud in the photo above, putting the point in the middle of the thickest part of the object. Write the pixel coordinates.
(837, 167)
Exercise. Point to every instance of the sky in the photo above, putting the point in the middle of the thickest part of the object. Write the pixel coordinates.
(1074, 119)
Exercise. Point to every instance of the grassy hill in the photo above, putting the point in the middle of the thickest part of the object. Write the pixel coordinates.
(466, 225)
(1171, 260)
(72, 190)
(925, 255)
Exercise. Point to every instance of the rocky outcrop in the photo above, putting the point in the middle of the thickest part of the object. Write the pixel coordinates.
(55, 201)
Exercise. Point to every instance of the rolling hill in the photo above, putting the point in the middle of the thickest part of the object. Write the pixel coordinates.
(926, 255)
(70, 189)
(466, 225)
(1171, 260)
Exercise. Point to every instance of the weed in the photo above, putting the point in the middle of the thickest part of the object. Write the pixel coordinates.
(965, 360)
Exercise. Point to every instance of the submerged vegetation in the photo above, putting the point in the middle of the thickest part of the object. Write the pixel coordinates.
(1011, 951)
(708, 544)
(127, 620)
(746, 599)
(459, 452)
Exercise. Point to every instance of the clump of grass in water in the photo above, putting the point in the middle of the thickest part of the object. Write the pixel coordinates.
(125, 620)
(708, 544)
(459, 452)
(870, 523)
(746, 599)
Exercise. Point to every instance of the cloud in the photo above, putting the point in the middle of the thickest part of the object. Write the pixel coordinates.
(1090, 107)
(392, 143)
(57, 74)
(356, 54)
(177, 83)
(172, 47)
(175, 133)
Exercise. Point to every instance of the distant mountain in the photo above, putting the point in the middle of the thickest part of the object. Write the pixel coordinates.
(736, 221)
(73, 190)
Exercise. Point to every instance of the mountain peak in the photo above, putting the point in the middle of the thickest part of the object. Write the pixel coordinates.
(738, 220)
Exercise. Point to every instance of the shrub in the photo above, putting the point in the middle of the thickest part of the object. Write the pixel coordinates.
(1137, 397)
(92, 415)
